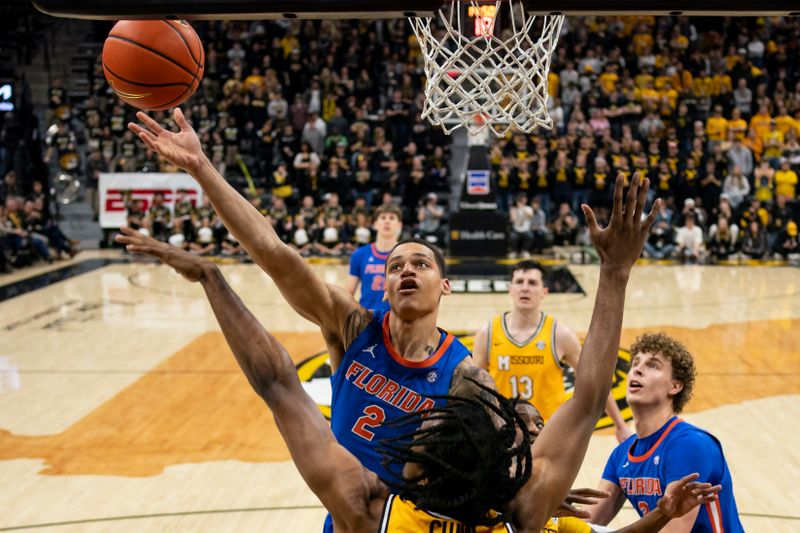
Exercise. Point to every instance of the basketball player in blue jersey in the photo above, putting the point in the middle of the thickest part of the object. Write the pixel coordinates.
(463, 461)
(665, 448)
(367, 264)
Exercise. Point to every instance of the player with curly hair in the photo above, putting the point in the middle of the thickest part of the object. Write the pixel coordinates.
(665, 448)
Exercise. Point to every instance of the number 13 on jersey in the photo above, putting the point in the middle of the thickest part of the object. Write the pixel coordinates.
(521, 386)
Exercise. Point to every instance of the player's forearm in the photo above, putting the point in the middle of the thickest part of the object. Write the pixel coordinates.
(259, 355)
(599, 353)
(254, 232)
(242, 219)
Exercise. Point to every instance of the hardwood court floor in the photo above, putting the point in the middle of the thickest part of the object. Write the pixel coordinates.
(121, 408)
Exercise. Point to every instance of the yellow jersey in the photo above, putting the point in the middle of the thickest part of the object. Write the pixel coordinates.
(402, 516)
(566, 525)
(530, 369)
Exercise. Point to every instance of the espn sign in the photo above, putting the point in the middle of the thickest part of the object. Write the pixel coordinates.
(113, 188)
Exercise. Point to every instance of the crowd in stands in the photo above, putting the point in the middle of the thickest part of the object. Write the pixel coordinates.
(28, 224)
(708, 109)
(317, 123)
(299, 116)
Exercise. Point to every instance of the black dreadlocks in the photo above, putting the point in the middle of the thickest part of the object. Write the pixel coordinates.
(471, 463)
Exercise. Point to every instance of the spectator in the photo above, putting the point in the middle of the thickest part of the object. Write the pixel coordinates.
(722, 240)
(689, 241)
(740, 156)
(158, 218)
(736, 187)
(521, 236)
(743, 97)
(660, 243)
(300, 238)
(754, 244)
(786, 181)
(787, 245)
(430, 217)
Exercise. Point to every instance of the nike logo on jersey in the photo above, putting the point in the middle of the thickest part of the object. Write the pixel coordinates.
(626, 464)
(371, 260)
(370, 350)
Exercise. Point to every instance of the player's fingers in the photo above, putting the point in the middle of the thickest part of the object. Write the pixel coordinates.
(180, 119)
(137, 249)
(640, 200)
(151, 124)
(633, 196)
(135, 128)
(148, 139)
(685, 480)
(616, 210)
(651, 217)
(591, 220)
(582, 500)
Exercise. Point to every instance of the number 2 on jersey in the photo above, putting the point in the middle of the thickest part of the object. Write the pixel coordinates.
(521, 386)
(373, 417)
(377, 283)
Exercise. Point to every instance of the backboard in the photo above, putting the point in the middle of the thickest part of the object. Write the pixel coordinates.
(310, 9)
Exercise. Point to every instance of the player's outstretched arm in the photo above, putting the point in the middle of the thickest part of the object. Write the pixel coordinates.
(325, 305)
(680, 499)
(559, 450)
(569, 344)
(345, 487)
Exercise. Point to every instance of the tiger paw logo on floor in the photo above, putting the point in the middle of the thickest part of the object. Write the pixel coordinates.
(315, 373)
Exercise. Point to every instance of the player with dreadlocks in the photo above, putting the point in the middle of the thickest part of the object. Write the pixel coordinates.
(440, 456)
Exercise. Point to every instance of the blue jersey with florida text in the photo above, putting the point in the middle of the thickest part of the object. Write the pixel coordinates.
(643, 468)
(368, 264)
(374, 384)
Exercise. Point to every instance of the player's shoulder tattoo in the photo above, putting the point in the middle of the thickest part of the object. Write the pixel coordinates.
(356, 322)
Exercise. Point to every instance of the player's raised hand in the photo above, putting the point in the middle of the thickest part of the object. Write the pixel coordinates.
(579, 497)
(182, 149)
(620, 244)
(187, 265)
(685, 494)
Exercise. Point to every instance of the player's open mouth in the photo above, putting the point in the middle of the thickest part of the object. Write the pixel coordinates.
(634, 385)
(407, 286)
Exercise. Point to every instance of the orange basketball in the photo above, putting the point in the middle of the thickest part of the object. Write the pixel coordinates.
(153, 64)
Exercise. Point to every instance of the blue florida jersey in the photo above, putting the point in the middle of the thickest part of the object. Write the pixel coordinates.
(643, 468)
(374, 383)
(368, 264)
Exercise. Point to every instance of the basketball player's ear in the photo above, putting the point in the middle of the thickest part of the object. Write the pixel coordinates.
(385, 296)
(446, 290)
(675, 388)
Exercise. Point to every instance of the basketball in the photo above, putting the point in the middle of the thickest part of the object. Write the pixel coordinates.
(153, 64)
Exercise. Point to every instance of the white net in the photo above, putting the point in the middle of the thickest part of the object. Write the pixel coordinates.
(487, 60)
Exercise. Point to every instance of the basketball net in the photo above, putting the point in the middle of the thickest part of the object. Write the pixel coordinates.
(478, 64)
